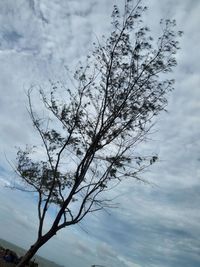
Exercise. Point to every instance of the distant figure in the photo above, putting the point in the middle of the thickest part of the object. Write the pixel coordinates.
(7, 257)
(2, 252)
(10, 256)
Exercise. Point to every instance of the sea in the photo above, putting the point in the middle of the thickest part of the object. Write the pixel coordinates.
(42, 262)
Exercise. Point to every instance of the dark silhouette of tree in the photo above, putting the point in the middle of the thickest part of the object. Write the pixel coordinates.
(88, 144)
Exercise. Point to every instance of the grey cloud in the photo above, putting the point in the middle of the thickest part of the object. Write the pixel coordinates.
(35, 7)
(11, 36)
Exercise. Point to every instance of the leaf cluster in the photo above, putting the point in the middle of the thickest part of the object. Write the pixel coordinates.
(102, 119)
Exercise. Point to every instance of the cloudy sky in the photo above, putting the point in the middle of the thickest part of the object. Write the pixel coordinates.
(156, 225)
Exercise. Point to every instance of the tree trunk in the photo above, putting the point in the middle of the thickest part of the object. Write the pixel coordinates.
(34, 248)
(29, 254)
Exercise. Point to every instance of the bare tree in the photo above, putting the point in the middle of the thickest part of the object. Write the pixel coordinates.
(88, 144)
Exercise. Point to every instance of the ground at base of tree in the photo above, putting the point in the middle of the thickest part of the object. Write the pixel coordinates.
(9, 258)
(3, 263)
